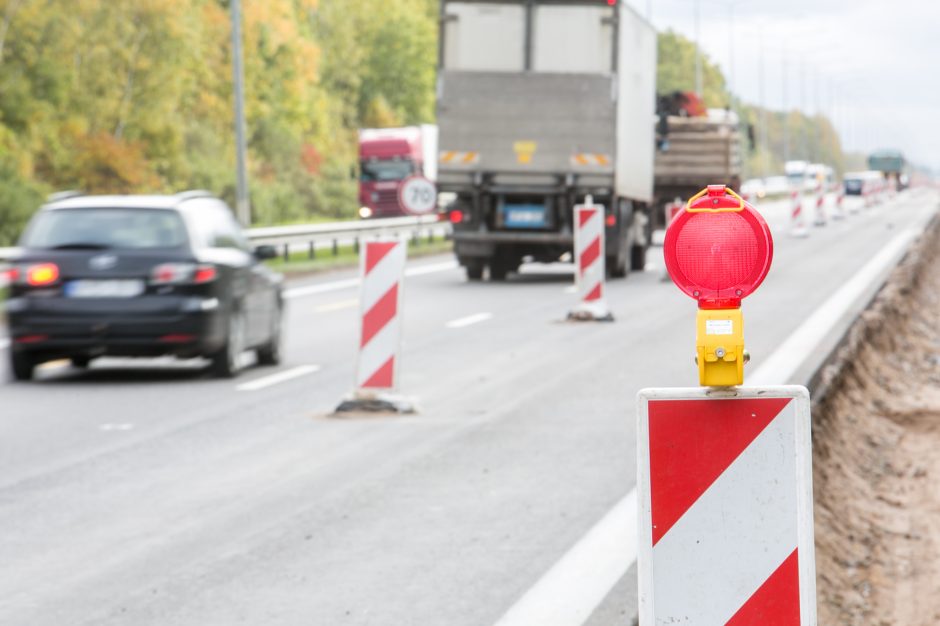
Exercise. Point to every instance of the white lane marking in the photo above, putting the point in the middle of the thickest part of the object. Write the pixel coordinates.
(469, 320)
(789, 356)
(280, 377)
(349, 283)
(117, 427)
(570, 591)
(432, 268)
(53, 365)
(4, 343)
(311, 290)
(576, 585)
(336, 306)
(571, 289)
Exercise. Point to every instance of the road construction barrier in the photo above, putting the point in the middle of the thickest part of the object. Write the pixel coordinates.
(724, 471)
(589, 263)
(819, 218)
(725, 507)
(382, 266)
(797, 218)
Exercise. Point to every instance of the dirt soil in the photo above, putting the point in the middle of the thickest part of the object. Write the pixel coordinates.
(876, 453)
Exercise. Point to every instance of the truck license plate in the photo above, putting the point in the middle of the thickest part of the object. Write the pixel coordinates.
(524, 216)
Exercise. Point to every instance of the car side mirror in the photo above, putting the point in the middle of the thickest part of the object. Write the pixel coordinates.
(263, 253)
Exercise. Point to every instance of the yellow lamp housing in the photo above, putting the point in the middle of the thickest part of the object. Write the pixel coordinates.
(719, 347)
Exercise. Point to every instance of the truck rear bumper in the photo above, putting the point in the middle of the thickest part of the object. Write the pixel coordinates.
(498, 237)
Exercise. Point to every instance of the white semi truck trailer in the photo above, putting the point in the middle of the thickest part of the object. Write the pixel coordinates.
(540, 104)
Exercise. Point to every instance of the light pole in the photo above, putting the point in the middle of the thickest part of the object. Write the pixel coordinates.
(698, 54)
(242, 206)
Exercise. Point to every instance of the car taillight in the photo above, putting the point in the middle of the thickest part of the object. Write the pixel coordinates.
(182, 274)
(611, 220)
(11, 275)
(456, 217)
(40, 274)
(204, 274)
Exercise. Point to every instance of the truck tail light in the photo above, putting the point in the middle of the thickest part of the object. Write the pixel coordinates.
(40, 274)
(611, 220)
(456, 217)
(182, 274)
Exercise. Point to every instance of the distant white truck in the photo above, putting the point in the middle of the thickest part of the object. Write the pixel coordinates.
(540, 104)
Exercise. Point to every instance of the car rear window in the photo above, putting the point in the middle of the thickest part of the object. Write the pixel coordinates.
(106, 228)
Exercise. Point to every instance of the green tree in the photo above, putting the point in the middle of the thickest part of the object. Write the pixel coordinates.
(676, 70)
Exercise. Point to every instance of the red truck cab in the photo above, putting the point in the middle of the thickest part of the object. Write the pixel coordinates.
(387, 156)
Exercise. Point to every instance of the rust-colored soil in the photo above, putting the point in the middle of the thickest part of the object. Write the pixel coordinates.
(876, 440)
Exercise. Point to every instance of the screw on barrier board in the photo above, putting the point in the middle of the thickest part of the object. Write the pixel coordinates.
(725, 507)
(382, 266)
(589, 261)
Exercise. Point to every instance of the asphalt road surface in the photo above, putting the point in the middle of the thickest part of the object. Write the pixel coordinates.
(146, 492)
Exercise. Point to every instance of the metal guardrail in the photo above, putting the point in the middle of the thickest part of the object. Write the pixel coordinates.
(332, 235)
(311, 237)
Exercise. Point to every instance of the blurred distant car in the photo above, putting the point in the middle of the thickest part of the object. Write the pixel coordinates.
(754, 188)
(854, 183)
(141, 276)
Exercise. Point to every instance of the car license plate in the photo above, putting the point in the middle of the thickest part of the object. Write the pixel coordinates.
(525, 216)
(128, 288)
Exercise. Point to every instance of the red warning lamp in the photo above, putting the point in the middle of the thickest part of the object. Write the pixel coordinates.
(719, 249)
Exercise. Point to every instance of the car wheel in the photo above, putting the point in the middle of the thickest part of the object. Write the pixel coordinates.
(270, 353)
(225, 362)
(22, 366)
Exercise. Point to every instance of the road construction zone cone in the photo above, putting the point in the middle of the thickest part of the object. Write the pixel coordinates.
(382, 266)
(589, 264)
(797, 219)
(819, 217)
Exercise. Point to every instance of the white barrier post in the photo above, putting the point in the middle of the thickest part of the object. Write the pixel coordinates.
(837, 211)
(797, 219)
(382, 266)
(820, 216)
(589, 262)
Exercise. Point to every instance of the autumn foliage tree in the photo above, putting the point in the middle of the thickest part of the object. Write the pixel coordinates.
(132, 96)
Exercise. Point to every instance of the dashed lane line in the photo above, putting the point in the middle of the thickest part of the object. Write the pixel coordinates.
(280, 377)
(469, 320)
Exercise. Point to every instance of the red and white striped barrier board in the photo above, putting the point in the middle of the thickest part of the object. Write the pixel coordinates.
(725, 507)
(382, 266)
(820, 217)
(589, 262)
(797, 219)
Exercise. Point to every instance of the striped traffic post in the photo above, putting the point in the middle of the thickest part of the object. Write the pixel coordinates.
(820, 216)
(797, 219)
(382, 266)
(589, 263)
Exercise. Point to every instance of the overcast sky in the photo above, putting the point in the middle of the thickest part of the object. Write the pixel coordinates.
(871, 65)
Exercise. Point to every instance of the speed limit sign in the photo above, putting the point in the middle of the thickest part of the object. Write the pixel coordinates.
(417, 195)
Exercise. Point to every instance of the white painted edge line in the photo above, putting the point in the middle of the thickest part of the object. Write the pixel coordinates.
(576, 585)
(349, 283)
(570, 591)
(336, 306)
(786, 360)
(469, 320)
(279, 377)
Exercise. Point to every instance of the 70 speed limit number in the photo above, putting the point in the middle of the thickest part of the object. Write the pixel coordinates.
(418, 195)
